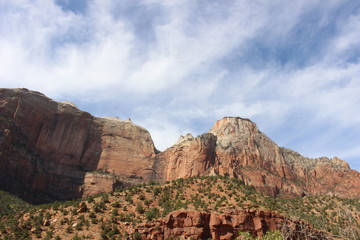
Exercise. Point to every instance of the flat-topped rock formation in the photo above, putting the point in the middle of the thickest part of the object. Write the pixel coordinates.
(53, 151)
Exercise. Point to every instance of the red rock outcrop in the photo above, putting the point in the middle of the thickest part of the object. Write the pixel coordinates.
(49, 150)
(204, 225)
(188, 224)
(190, 157)
(235, 147)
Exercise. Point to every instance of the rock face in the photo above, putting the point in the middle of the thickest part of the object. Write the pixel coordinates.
(187, 224)
(204, 225)
(54, 151)
(235, 147)
(190, 157)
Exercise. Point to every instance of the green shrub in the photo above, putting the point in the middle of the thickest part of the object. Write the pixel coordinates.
(116, 204)
(48, 236)
(76, 237)
(274, 235)
(245, 236)
(128, 198)
(136, 236)
(139, 208)
(152, 213)
(69, 229)
(114, 212)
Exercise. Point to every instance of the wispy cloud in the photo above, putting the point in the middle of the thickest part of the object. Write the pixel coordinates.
(177, 66)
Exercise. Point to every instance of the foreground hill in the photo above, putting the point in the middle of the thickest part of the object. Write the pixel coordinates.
(192, 208)
(53, 151)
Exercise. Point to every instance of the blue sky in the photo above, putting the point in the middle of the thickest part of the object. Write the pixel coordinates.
(173, 67)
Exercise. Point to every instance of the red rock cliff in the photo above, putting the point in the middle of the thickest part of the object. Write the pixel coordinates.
(51, 150)
(236, 148)
(187, 224)
(54, 151)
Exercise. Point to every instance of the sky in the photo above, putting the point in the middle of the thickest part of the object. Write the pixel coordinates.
(177, 66)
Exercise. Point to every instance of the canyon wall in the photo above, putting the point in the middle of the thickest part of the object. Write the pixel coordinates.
(53, 151)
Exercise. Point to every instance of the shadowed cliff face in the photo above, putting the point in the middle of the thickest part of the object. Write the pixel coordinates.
(54, 151)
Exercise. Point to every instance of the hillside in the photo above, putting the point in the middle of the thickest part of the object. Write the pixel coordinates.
(199, 208)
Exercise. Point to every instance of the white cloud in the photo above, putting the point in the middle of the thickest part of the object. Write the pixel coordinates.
(164, 133)
(349, 34)
(193, 61)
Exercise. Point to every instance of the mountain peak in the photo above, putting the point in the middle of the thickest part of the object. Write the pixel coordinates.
(231, 129)
(235, 123)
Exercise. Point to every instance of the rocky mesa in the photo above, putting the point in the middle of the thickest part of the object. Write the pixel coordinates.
(53, 151)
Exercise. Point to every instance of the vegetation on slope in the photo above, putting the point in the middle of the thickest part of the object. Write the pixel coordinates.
(115, 215)
(10, 204)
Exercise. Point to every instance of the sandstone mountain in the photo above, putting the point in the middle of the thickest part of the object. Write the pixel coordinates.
(235, 147)
(54, 151)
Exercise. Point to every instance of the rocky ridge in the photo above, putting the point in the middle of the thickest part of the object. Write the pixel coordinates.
(54, 151)
(235, 147)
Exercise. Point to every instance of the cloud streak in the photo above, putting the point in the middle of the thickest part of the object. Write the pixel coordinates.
(177, 66)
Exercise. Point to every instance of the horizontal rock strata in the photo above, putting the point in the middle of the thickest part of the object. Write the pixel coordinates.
(187, 224)
(53, 151)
